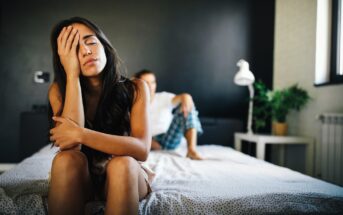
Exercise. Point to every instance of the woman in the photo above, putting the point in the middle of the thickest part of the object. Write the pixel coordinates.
(101, 124)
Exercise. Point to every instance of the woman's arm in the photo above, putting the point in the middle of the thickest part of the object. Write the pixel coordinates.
(55, 99)
(73, 106)
(138, 144)
(67, 43)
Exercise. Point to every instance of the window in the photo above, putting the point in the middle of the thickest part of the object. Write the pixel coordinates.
(329, 43)
(336, 65)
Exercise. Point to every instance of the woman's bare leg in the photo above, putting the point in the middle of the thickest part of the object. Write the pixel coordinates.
(125, 186)
(191, 137)
(70, 183)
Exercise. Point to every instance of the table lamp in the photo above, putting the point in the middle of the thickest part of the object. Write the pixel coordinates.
(244, 77)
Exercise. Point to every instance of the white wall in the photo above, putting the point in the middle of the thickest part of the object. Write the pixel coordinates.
(295, 62)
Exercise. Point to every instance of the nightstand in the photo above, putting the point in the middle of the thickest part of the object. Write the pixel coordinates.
(262, 140)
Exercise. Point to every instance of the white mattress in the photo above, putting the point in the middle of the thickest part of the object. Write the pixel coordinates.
(227, 182)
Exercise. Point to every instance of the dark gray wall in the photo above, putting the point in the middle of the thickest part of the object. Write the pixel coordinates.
(193, 46)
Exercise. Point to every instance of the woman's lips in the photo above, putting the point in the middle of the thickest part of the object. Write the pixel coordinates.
(90, 61)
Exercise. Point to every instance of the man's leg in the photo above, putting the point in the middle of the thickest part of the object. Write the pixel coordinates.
(191, 137)
(179, 127)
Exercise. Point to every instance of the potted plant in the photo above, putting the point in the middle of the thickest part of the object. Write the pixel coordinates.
(281, 102)
(262, 107)
(276, 105)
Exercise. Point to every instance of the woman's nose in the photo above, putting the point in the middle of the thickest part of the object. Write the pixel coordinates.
(85, 50)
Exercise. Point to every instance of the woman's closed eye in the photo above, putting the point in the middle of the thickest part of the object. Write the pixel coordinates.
(91, 42)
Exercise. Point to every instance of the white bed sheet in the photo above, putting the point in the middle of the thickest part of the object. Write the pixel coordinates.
(227, 182)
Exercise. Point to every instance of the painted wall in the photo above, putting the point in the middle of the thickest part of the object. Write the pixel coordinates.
(294, 62)
(196, 44)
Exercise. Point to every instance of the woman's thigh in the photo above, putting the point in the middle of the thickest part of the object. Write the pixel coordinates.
(126, 163)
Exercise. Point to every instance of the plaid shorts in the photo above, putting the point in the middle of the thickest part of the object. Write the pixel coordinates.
(179, 125)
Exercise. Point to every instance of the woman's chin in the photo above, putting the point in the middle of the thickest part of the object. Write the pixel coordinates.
(91, 73)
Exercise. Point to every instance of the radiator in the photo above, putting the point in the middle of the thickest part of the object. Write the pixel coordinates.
(330, 151)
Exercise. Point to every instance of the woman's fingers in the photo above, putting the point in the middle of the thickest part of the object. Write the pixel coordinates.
(75, 41)
(66, 39)
(65, 36)
(62, 39)
(59, 38)
(71, 39)
(58, 119)
(67, 50)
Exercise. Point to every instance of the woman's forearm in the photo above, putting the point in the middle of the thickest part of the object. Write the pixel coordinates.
(114, 144)
(73, 106)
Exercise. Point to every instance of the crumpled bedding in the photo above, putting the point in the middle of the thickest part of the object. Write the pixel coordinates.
(227, 182)
(23, 189)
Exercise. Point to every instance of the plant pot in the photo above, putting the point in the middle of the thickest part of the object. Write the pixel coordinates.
(280, 128)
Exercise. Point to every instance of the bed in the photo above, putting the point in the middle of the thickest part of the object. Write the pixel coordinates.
(227, 182)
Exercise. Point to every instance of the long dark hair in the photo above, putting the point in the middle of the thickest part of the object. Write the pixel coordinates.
(117, 96)
(117, 91)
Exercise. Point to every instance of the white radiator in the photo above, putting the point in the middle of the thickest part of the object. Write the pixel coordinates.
(330, 151)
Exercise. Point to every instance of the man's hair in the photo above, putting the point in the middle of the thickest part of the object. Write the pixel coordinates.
(142, 72)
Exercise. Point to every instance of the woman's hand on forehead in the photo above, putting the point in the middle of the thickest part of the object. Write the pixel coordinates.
(67, 43)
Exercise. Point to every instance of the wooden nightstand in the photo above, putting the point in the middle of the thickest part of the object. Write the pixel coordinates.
(262, 140)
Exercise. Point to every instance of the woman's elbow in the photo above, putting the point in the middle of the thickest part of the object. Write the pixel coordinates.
(142, 156)
(144, 152)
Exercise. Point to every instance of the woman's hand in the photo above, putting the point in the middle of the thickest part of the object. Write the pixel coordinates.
(187, 104)
(67, 135)
(67, 43)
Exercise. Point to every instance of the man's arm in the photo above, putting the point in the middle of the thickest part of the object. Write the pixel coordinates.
(186, 102)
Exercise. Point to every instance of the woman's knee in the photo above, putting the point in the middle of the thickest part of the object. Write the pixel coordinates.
(70, 160)
(123, 166)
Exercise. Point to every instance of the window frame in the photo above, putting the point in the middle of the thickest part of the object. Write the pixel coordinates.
(336, 39)
(336, 64)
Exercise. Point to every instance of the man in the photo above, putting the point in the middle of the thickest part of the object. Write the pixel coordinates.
(172, 116)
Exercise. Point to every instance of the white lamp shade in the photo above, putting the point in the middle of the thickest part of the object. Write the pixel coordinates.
(244, 76)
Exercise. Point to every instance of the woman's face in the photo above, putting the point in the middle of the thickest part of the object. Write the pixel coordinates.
(91, 53)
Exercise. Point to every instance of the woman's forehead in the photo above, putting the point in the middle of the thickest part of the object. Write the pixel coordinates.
(83, 29)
